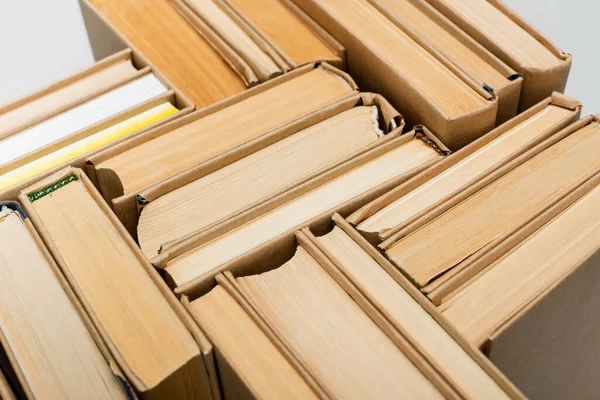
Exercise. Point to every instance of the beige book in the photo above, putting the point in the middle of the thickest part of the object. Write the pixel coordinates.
(544, 67)
(504, 32)
(453, 96)
(220, 131)
(297, 40)
(484, 304)
(413, 14)
(66, 97)
(467, 171)
(406, 313)
(173, 47)
(501, 206)
(206, 258)
(55, 354)
(343, 348)
(249, 352)
(261, 63)
(255, 177)
(156, 351)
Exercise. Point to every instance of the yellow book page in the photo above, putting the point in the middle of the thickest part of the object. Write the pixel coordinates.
(86, 145)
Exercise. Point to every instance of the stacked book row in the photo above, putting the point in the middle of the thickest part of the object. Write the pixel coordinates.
(296, 237)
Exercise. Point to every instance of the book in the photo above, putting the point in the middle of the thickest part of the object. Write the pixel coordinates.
(109, 278)
(276, 20)
(465, 375)
(430, 28)
(255, 177)
(260, 61)
(468, 170)
(484, 304)
(90, 143)
(544, 67)
(20, 117)
(437, 248)
(53, 353)
(354, 179)
(214, 133)
(244, 348)
(388, 61)
(74, 120)
(173, 47)
(343, 348)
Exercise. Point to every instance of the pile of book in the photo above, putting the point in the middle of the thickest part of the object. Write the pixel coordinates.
(433, 234)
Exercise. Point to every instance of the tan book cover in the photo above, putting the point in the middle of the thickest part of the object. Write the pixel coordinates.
(432, 30)
(45, 338)
(472, 164)
(544, 67)
(385, 59)
(172, 46)
(505, 204)
(171, 98)
(342, 186)
(246, 182)
(119, 295)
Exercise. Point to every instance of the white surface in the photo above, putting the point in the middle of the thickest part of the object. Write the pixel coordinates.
(42, 41)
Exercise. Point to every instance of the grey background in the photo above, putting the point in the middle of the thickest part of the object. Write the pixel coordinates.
(42, 41)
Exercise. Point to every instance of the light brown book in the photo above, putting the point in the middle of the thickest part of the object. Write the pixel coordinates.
(217, 132)
(275, 19)
(466, 171)
(385, 59)
(464, 373)
(173, 47)
(419, 17)
(54, 354)
(257, 59)
(246, 349)
(501, 206)
(208, 257)
(330, 334)
(156, 352)
(489, 300)
(545, 68)
(448, 91)
(64, 98)
(255, 177)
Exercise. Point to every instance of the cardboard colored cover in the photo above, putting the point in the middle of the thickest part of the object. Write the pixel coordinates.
(537, 83)
(203, 343)
(105, 39)
(373, 74)
(403, 282)
(466, 269)
(267, 250)
(125, 206)
(227, 53)
(508, 96)
(428, 214)
(325, 37)
(550, 349)
(389, 119)
(173, 96)
(306, 240)
(16, 369)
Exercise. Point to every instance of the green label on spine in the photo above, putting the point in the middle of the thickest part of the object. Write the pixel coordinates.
(33, 196)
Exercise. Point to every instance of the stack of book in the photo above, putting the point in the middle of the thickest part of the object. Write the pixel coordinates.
(68, 121)
(505, 246)
(335, 321)
(296, 237)
(215, 49)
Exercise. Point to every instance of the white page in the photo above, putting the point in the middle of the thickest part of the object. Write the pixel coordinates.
(80, 117)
